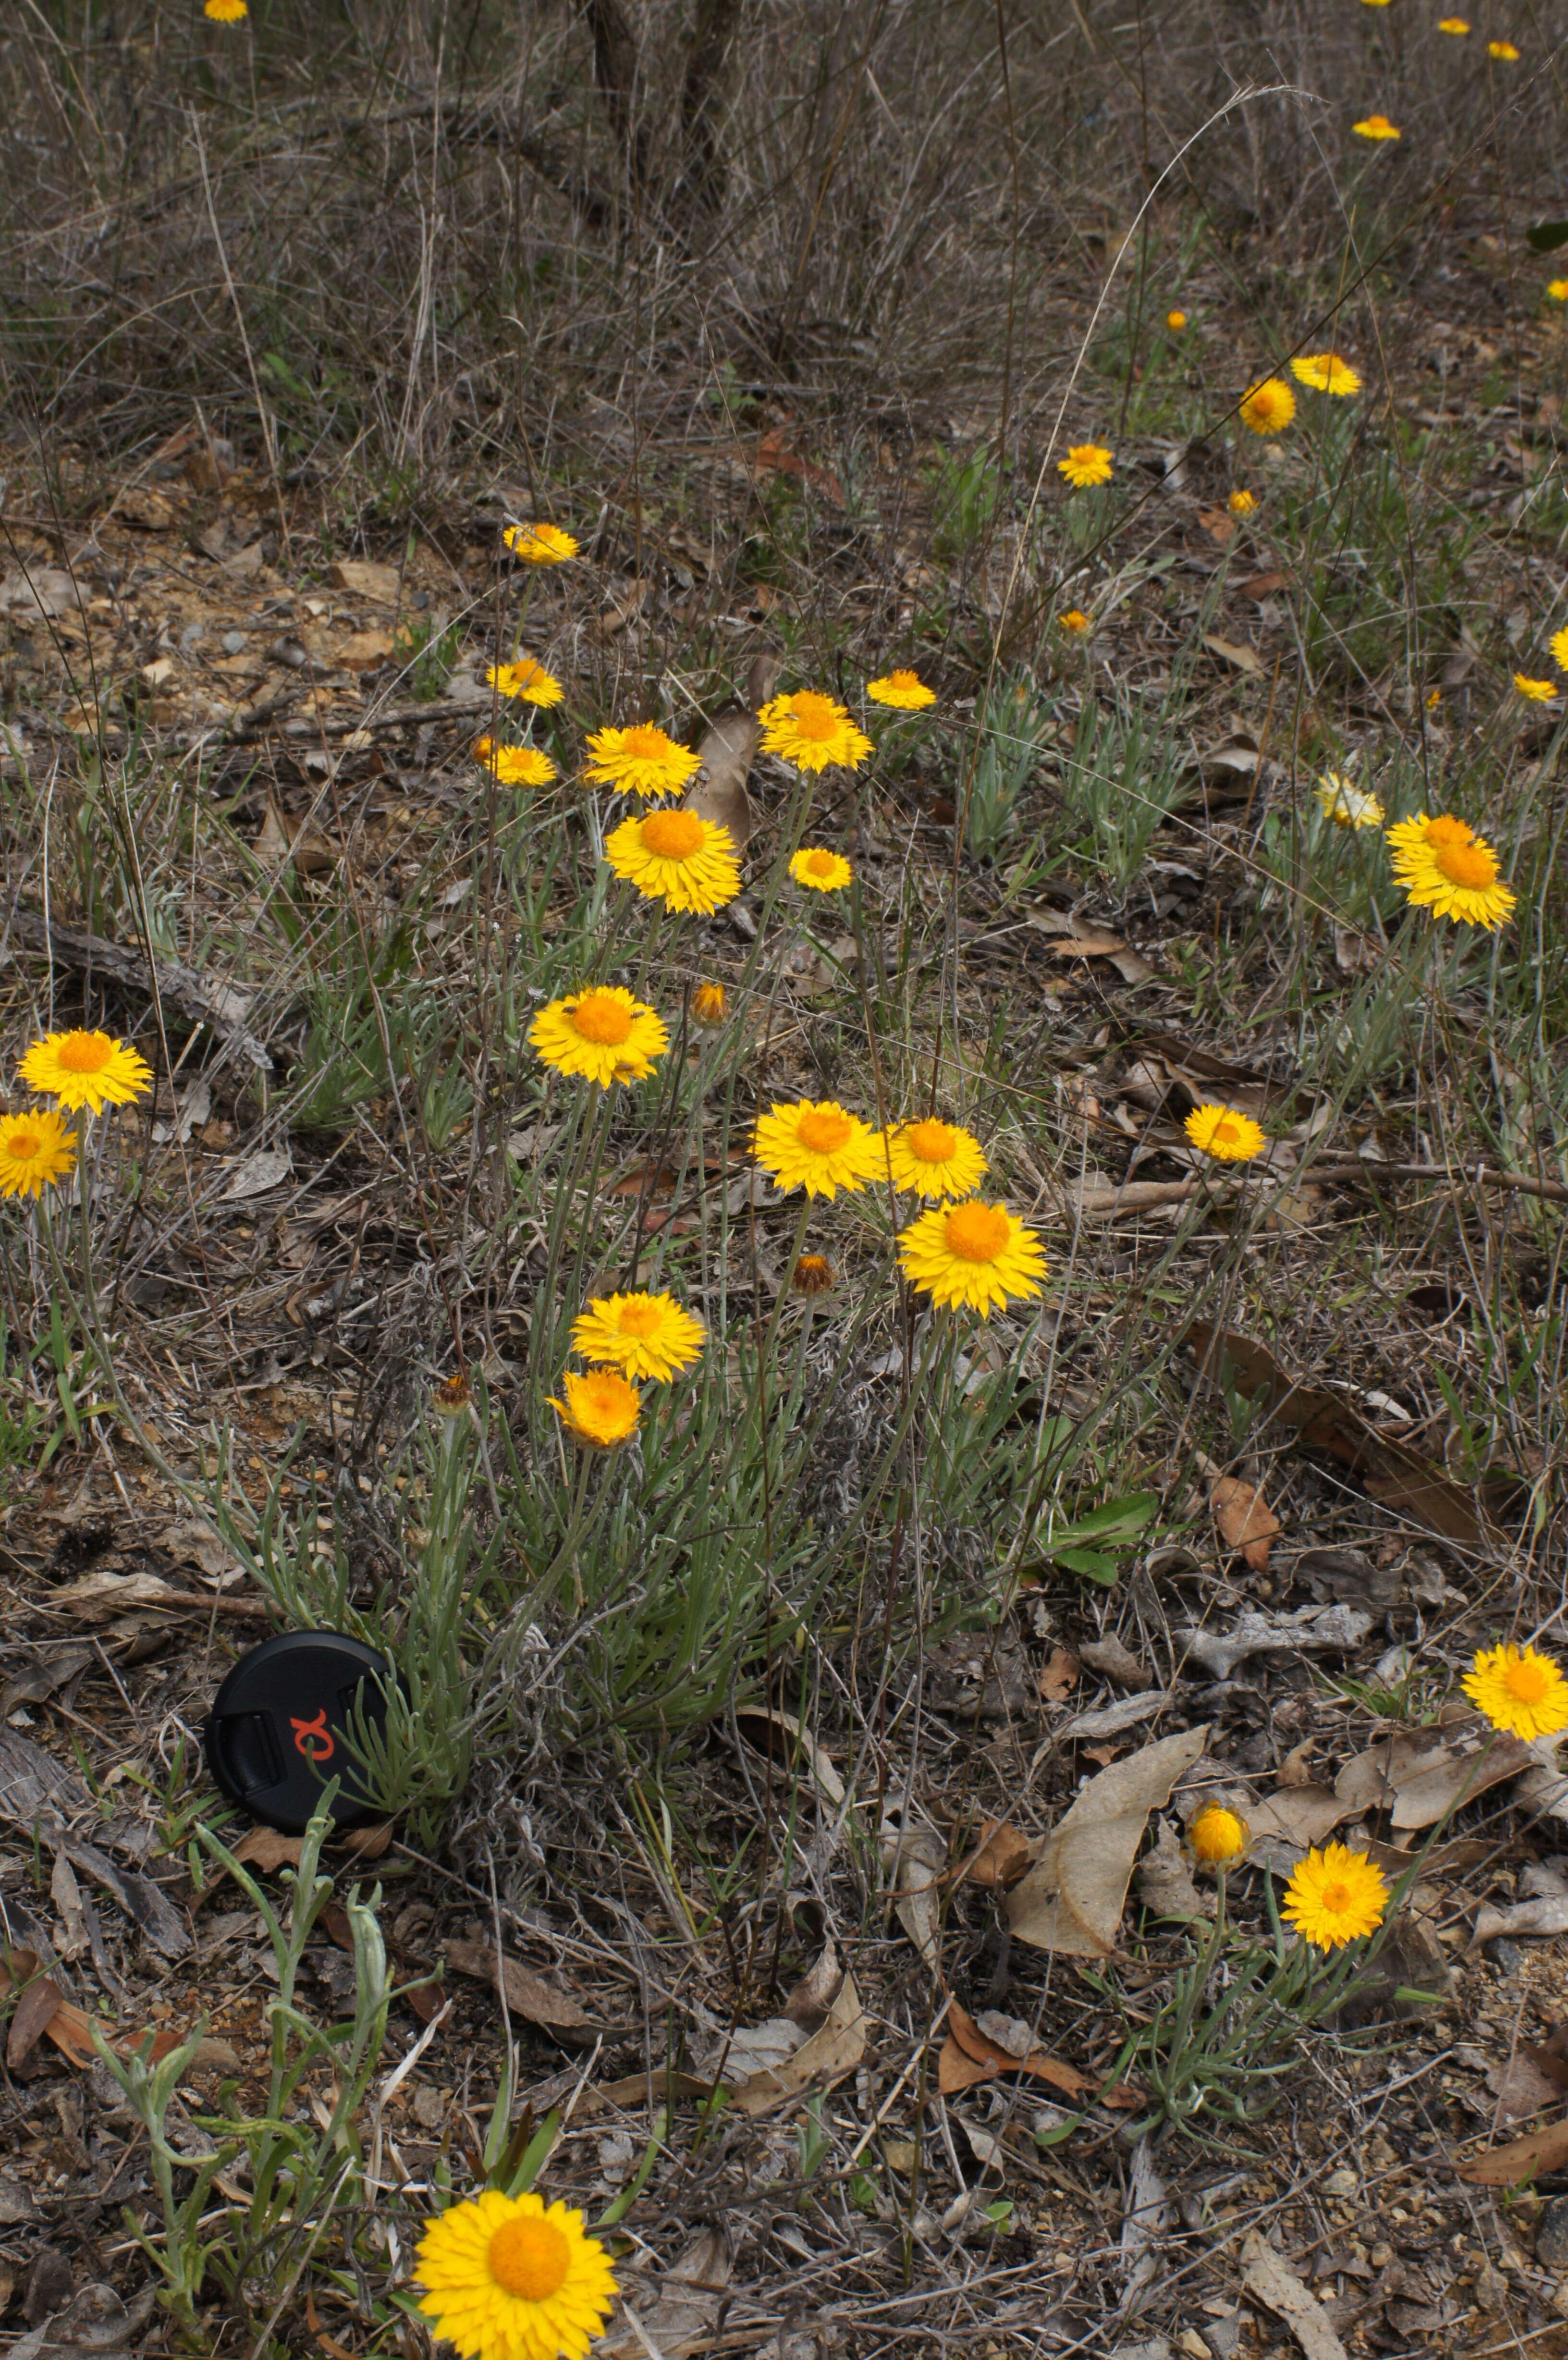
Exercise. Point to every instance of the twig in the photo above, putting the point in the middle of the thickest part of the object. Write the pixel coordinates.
(181, 987)
(1489, 1174)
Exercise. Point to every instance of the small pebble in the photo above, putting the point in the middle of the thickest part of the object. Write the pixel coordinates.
(1343, 2182)
(1551, 2236)
(1505, 1955)
(234, 643)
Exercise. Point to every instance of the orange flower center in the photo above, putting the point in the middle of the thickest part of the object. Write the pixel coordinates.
(646, 740)
(903, 680)
(814, 716)
(84, 1052)
(1338, 1899)
(1527, 1680)
(640, 1318)
(824, 1129)
(531, 2259)
(22, 1146)
(977, 1232)
(819, 864)
(930, 1143)
(603, 1019)
(1227, 1131)
(673, 834)
(1463, 860)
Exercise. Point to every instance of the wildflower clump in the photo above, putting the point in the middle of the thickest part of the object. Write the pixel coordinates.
(1348, 805)
(527, 680)
(1225, 1134)
(514, 765)
(1326, 373)
(710, 1004)
(1216, 1836)
(601, 1409)
(676, 858)
(34, 1149)
(1268, 407)
(820, 870)
(540, 544)
(1375, 127)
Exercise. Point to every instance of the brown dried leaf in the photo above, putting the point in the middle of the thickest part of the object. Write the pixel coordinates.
(1520, 2160)
(366, 579)
(1072, 1900)
(1244, 659)
(1243, 1519)
(1058, 1675)
(528, 1994)
(1419, 1781)
(1002, 1858)
(1299, 1815)
(969, 2056)
(34, 2013)
(830, 2053)
(1220, 527)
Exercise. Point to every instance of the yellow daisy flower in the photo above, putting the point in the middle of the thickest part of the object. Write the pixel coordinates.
(1504, 50)
(510, 2278)
(225, 12)
(1539, 692)
(1268, 407)
(1086, 464)
(1335, 1896)
(816, 1145)
(1518, 1690)
(1326, 373)
(972, 1253)
(905, 691)
(1348, 805)
(602, 1034)
(641, 760)
(452, 1396)
(514, 765)
(811, 731)
(677, 858)
(86, 1069)
(1375, 127)
(34, 1150)
(1221, 1133)
(1175, 321)
(1558, 642)
(1558, 289)
(1215, 1837)
(1446, 868)
(643, 1335)
(813, 1274)
(821, 870)
(1433, 699)
(540, 544)
(1452, 25)
(1241, 503)
(935, 1159)
(1075, 623)
(601, 1409)
(526, 679)
(710, 1004)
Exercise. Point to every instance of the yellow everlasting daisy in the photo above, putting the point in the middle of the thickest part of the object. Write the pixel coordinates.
(1446, 868)
(1325, 373)
(972, 1253)
(1086, 464)
(812, 732)
(1215, 1837)
(540, 544)
(1539, 692)
(509, 2277)
(1375, 127)
(1268, 407)
(601, 1409)
(1221, 1133)
(1241, 503)
(1452, 25)
(676, 858)
(1520, 1690)
(602, 1034)
(34, 1150)
(1075, 623)
(1335, 1896)
(1504, 50)
(816, 1145)
(821, 870)
(526, 679)
(514, 765)
(935, 1159)
(1175, 321)
(710, 1004)
(905, 692)
(1348, 805)
(86, 1069)
(643, 1335)
(1558, 643)
(641, 760)
(225, 12)
(1558, 289)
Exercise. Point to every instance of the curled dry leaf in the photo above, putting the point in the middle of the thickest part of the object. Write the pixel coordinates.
(1301, 1816)
(1000, 1858)
(1419, 1781)
(1332, 1629)
(1271, 2282)
(1072, 1900)
(1243, 1519)
(972, 2054)
(1059, 1675)
(526, 1994)
(914, 1859)
(1537, 1919)
(785, 1742)
(826, 2057)
(1165, 1882)
(1520, 2160)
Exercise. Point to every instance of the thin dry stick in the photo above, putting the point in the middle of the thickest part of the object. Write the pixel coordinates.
(261, 409)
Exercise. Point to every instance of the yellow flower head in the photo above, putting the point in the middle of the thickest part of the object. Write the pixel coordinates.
(602, 1034)
(1348, 805)
(225, 12)
(526, 679)
(1215, 1837)
(1558, 289)
(86, 1069)
(676, 858)
(1241, 503)
(1268, 407)
(812, 732)
(1335, 1896)
(507, 2277)
(1446, 868)
(1086, 464)
(34, 1150)
(1175, 321)
(1221, 1133)
(1452, 25)
(821, 870)
(514, 765)
(1325, 373)
(1433, 699)
(905, 691)
(972, 1253)
(1558, 643)
(643, 1335)
(601, 1409)
(641, 760)
(1504, 50)
(1518, 1690)
(935, 1159)
(1375, 127)
(710, 1004)
(816, 1146)
(1539, 692)
(1075, 623)
(452, 1396)
(813, 1274)
(540, 544)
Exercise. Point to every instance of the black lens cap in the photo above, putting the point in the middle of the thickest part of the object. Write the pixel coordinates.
(278, 1728)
